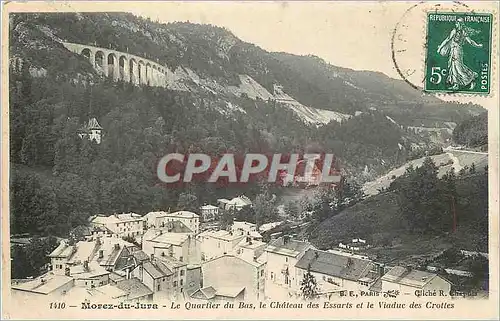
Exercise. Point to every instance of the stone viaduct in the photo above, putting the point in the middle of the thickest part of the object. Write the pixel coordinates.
(123, 66)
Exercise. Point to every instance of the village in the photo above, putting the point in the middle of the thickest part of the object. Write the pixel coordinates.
(184, 256)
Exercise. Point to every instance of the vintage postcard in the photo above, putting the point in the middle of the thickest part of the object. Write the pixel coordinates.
(250, 160)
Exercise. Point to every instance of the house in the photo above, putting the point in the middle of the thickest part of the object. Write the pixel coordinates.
(229, 271)
(166, 276)
(282, 254)
(407, 281)
(130, 224)
(91, 131)
(336, 272)
(155, 275)
(218, 243)
(47, 285)
(182, 246)
(190, 219)
(236, 203)
(209, 212)
(233, 294)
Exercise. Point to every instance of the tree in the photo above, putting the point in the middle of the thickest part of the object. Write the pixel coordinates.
(187, 202)
(292, 209)
(246, 214)
(423, 199)
(308, 286)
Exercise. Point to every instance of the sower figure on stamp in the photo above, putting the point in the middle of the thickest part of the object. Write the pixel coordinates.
(458, 73)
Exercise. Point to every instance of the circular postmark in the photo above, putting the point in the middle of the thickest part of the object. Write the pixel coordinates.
(410, 38)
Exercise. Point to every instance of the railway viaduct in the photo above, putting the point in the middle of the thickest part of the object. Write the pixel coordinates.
(123, 66)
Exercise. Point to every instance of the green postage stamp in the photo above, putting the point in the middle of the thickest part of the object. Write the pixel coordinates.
(458, 55)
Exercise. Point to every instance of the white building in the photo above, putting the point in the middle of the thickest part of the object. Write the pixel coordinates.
(129, 224)
(209, 212)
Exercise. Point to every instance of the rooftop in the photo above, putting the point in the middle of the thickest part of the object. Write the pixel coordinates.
(63, 250)
(336, 265)
(156, 269)
(44, 284)
(115, 218)
(174, 227)
(253, 244)
(170, 238)
(408, 277)
(108, 291)
(242, 223)
(83, 251)
(134, 288)
(171, 262)
(237, 201)
(93, 270)
(285, 246)
(269, 226)
(208, 292)
(140, 256)
(229, 257)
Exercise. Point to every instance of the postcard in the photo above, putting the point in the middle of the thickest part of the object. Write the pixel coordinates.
(250, 160)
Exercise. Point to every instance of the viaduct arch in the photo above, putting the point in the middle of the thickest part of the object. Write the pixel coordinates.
(123, 66)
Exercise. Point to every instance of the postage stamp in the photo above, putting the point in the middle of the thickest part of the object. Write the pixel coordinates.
(458, 57)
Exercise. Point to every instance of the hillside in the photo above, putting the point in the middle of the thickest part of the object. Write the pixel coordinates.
(221, 98)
